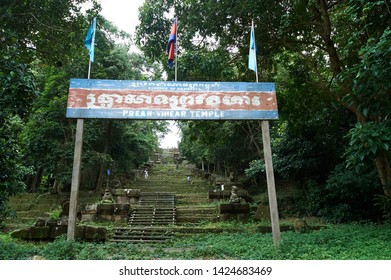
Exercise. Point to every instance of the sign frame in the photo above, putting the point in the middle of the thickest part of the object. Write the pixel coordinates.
(161, 100)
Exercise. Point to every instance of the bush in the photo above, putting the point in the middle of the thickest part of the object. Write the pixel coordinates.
(348, 196)
(13, 251)
(61, 249)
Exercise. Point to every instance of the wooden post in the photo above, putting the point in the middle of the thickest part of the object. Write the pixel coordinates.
(271, 189)
(72, 218)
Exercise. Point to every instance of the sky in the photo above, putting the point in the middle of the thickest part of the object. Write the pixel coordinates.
(124, 14)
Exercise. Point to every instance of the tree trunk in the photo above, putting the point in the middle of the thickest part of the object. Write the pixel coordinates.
(384, 170)
(37, 180)
(382, 163)
(56, 187)
(99, 184)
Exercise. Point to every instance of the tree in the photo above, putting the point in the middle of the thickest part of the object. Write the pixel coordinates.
(330, 37)
(17, 90)
(42, 28)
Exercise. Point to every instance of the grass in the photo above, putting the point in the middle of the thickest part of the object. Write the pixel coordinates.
(334, 242)
(235, 240)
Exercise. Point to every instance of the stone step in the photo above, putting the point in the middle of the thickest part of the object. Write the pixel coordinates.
(142, 235)
(154, 208)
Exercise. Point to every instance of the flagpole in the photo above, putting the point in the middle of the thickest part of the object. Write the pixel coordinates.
(89, 70)
(256, 63)
(267, 153)
(176, 50)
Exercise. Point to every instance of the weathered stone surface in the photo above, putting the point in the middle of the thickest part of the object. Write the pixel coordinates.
(81, 232)
(57, 231)
(234, 211)
(105, 209)
(88, 217)
(123, 199)
(40, 222)
(106, 212)
(103, 217)
(121, 209)
(64, 208)
(216, 195)
(234, 208)
(95, 233)
(23, 233)
(39, 232)
(88, 212)
(262, 213)
(119, 218)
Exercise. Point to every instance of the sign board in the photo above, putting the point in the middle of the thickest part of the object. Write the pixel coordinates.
(161, 100)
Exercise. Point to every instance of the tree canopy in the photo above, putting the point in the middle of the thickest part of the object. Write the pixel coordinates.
(41, 46)
(328, 58)
(330, 61)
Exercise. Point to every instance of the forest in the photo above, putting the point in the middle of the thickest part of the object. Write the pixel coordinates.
(330, 61)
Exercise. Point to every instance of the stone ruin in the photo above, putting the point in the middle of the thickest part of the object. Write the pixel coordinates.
(115, 206)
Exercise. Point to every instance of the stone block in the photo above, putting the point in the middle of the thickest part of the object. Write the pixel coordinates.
(23, 233)
(105, 209)
(87, 217)
(56, 231)
(80, 232)
(88, 212)
(123, 199)
(234, 208)
(102, 217)
(133, 193)
(120, 218)
(39, 232)
(95, 233)
(121, 209)
(262, 213)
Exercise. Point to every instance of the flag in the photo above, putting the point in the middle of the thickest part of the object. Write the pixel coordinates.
(252, 56)
(89, 42)
(171, 45)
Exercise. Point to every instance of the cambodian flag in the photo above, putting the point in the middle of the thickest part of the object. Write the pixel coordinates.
(171, 45)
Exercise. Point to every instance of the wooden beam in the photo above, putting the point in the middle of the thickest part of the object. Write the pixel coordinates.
(271, 189)
(72, 218)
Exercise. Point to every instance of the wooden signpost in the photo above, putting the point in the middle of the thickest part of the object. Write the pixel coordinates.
(162, 100)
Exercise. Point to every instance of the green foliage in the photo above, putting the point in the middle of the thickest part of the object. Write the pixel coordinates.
(61, 249)
(255, 168)
(383, 203)
(366, 141)
(47, 136)
(17, 85)
(371, 78)
(13, 171)
(9, 250)
(43, 29)
(370, 242)
(347, 196)
(214, 142)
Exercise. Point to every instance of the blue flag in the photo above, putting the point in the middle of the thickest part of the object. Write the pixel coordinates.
(252, 56)
(89, 42)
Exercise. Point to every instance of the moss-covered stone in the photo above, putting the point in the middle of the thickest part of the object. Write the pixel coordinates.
(95, 233)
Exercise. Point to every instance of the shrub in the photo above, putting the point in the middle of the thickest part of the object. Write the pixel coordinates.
(13, 251)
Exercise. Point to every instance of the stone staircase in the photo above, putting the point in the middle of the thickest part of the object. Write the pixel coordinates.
(154, 208)
(144, 234)
(149, 219)
(167, 206)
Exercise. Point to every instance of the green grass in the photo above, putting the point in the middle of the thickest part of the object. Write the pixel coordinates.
(235, 240)
(334, 242)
